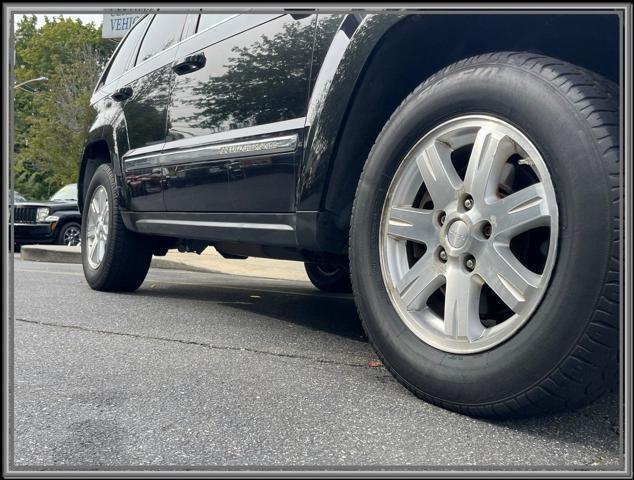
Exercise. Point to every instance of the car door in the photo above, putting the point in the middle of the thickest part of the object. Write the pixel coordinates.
(143, 92)
(237, 113)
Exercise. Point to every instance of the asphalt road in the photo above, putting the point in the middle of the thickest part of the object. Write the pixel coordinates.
(213, 371)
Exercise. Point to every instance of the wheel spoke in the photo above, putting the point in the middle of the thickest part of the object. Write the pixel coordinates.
(521, 211)
(490, 151)
(92, 250)
(101, 249)
(462, 300)
(412, 224)
(94, 206)
(440, 176)
(423, 279)
(101, 200)
(508, 278)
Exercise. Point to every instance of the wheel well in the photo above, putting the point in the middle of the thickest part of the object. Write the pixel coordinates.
(95, 154)
(421, 45)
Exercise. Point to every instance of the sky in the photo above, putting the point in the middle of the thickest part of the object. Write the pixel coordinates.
(97, 19)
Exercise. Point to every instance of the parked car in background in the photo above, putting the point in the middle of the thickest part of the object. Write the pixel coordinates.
(54, 221)
(461, 169)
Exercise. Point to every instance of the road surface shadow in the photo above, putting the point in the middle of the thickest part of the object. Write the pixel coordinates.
(337, 315)
(334, 314)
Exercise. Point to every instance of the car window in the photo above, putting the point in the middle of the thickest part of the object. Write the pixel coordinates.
(69, 192)
(207, 20)
(122, 59)
(164, 32)
(17, 198)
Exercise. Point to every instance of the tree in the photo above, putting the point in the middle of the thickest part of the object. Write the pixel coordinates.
(51, 124)
(279, 66)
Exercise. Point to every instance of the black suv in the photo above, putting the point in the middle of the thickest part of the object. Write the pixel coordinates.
(458, 172)
(54, 221)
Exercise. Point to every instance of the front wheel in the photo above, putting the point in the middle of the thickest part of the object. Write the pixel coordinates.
(484, 242)
(70, 234)
(114, 258)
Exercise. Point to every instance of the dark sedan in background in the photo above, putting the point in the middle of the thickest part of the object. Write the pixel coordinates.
(54, 221)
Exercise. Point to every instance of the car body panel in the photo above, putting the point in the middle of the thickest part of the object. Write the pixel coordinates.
(145, 118)
(345, 47)
(224, 101)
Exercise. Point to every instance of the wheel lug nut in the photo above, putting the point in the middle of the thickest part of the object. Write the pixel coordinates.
(486, 230)
(470, 263)
(441, 218)
(468, 203)
(442, 255)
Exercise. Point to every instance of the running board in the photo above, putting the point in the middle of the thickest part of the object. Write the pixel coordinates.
(276, 229)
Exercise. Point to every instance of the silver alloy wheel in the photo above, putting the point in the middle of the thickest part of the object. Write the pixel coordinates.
(98, 226)
(466, 226)
(72, 236)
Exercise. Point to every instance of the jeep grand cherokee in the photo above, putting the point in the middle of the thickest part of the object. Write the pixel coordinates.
(458, 172)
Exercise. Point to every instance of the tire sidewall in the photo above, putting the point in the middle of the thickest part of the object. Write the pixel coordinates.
(555, 127)
(102, 177)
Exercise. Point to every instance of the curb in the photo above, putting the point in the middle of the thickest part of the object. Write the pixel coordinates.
(50, 253)
(64, 254)
(168, 264)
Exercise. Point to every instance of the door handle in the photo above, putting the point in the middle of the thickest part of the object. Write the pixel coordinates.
(122, 94)
(189, 64)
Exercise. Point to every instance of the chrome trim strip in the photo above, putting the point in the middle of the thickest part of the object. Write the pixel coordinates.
(248, 148)
(234, 135)
(155, 148)
(194, 223)
(200, 32)
(216, 151)
(145, 161)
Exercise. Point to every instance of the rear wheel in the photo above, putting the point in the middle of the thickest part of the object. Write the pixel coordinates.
(329, 278)
(114, 258)
(484, 241)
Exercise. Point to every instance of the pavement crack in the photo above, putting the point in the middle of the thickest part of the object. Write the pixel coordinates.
(195, 343)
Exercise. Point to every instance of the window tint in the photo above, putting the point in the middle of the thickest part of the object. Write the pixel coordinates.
(164, 32)
(208, 19)
(121, 61)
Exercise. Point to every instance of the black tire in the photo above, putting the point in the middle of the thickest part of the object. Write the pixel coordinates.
(128, 254)
(66, 229)
(329, 278)
(567, 353)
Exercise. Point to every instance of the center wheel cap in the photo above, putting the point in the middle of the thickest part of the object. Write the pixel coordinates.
(458, 234)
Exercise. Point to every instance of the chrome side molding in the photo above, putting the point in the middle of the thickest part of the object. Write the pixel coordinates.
(219, 151)
(216, 151)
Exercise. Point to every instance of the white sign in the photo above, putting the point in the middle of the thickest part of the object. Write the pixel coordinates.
(116, 25)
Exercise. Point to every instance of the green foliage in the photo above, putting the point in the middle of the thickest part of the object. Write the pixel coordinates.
(52, 117)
